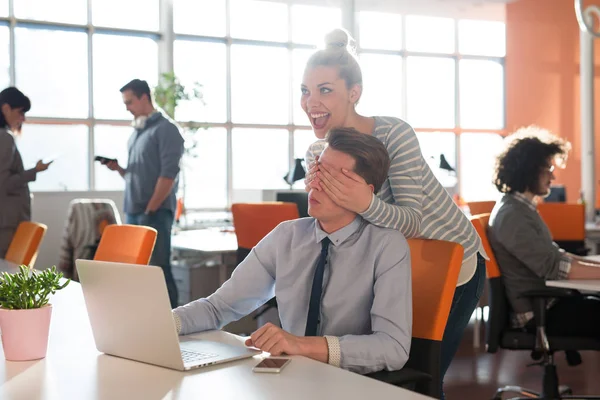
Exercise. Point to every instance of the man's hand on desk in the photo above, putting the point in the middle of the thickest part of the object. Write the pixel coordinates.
(276, 341)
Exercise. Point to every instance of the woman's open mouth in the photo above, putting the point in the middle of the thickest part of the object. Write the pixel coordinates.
(319, 120)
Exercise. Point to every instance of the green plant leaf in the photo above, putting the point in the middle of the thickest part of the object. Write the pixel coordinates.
(29, 288)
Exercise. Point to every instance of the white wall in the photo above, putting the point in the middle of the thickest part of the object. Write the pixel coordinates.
(51, 208)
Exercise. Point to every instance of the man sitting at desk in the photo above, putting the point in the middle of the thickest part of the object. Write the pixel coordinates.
(343, 286)
(522, 243)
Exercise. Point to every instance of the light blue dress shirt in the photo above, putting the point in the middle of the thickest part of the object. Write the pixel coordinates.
(367, 299)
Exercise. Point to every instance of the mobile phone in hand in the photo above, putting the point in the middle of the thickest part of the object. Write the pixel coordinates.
(104, 160)
(271, 365)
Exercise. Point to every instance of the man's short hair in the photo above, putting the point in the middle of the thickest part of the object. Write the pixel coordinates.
(372, 161)
(138, 87)
(525, 156)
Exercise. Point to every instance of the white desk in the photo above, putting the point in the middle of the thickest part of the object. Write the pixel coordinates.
(73, 369)
(209, 241)
(7, 266)
(588, 285)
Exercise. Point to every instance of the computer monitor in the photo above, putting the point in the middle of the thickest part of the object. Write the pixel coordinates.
(558, 194)
(300, 198)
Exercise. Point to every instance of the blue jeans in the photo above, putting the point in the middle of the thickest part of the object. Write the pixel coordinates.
(162, 221)
(464, 303)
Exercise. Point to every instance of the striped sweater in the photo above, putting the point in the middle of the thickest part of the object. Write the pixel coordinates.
(412, 200)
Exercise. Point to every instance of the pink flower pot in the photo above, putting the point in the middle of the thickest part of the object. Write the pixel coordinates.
(25, 333)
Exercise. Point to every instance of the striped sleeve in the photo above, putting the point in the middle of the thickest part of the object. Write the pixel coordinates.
(314, 150)
(406, 182)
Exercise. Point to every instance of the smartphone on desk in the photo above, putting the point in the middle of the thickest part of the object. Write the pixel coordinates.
(104, 160)
(271, 365)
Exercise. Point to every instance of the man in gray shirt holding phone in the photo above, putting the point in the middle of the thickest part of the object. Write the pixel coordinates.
(155, 151)
(343, 285)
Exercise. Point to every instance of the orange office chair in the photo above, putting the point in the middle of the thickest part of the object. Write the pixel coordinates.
(25, 244)
(480, 207)
(566, 223)
(253, 221)
(432, 295)
(500, 333)
(130, 244)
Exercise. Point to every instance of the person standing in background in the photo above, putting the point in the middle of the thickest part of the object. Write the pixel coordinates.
(151, 175)
(15, 199)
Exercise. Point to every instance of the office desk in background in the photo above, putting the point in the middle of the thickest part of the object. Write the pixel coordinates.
(74, 369)
(202, 260)
(7, 266)
(586, 285)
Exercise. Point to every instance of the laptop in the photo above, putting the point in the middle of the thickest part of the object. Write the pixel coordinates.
(130, 314)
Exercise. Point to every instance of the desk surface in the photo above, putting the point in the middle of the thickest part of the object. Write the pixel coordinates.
(7, 266)
(74, 369)
(592, 285)
(211, 240)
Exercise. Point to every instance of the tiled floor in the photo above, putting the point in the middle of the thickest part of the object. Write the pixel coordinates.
(475, 374)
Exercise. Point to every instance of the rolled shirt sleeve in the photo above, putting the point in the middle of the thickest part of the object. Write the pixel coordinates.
(170, 151)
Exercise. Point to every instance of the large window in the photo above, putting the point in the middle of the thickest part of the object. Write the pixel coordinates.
(446, 78)
(443, 76)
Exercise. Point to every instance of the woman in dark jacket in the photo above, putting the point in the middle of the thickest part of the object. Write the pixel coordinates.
(15, 201)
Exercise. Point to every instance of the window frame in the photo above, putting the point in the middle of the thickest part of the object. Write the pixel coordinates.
(166, 36)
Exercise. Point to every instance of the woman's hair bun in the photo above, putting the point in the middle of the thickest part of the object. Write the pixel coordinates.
(339, 39)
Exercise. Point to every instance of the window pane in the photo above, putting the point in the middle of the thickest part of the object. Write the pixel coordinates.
(259, 84)
(478, 153)
(481, 94)
(110, 141)
(60, 88)
(205, 174)
(484, 38)
(302, 140)
(138, 58)
(433, 146)
(260, 158)
(260, 20)
(191, 66)
(429, 34)
(299, 59)
(3, 8)
(67, 11)
(130, 14)
(199, 17)
(67, 145)
(430, 92)
(4, 57)
(380, 30)
(382, 85)
(311, 23)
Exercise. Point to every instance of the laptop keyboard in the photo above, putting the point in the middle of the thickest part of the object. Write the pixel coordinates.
(192, 356)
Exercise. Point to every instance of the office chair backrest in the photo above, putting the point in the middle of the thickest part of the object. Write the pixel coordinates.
(435, 266)
(131, 244)
(253, 221)
(566, 222)
(498, 320)
(25, 244)
(480, 222)
(480, 207)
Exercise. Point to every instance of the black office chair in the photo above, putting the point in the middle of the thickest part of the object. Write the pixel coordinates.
(499, 334)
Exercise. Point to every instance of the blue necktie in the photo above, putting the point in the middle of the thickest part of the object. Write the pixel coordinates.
(314, 305)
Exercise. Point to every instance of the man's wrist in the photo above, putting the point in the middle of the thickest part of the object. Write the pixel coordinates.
(314, 347)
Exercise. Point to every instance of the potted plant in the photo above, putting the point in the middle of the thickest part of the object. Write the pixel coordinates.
(25, 312)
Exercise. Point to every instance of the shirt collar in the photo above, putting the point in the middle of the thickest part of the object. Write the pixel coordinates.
(339, 236)
(521, 198)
